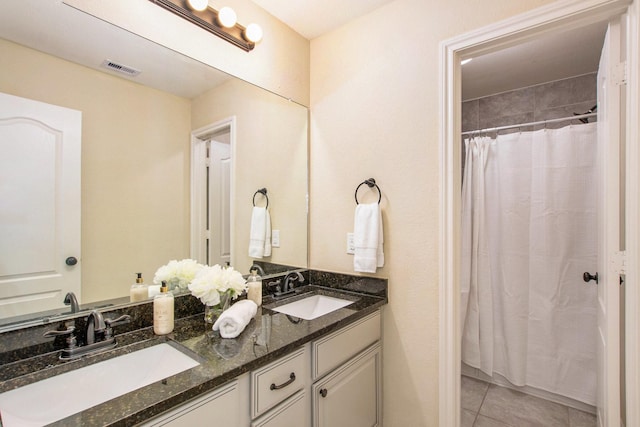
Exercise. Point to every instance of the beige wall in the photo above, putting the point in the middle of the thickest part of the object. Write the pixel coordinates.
(271, 152)
(135, 169)
(374, 113)
(279, 63)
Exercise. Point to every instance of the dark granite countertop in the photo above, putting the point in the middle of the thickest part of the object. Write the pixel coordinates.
(269, 336)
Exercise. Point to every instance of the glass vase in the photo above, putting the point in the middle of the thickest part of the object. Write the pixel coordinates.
(212, 312)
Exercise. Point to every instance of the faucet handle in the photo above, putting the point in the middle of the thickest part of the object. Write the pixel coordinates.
(125, 318)
(55, 333)
(275, 284)
(69, 332)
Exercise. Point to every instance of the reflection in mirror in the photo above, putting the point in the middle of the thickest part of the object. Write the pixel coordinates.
(137, 134)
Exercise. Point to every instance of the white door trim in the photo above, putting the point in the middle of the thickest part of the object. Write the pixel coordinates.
(560, 15)
(198, 183)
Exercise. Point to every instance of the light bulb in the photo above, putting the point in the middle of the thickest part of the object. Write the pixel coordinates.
(253, 33)
(227, 17)
(198, 5)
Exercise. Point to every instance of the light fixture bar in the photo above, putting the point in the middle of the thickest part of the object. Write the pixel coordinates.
(207, 19)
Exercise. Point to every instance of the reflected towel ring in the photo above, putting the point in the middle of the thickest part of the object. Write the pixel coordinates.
(370, 183)
(262, 191)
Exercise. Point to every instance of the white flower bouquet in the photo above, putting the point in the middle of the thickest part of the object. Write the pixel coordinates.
(212, 282)
(177, 274)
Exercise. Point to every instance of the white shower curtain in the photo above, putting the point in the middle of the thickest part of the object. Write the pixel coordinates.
(529, 232)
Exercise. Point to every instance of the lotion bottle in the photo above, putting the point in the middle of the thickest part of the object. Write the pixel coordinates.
(163, 315)
(254, 287)
(138, 291)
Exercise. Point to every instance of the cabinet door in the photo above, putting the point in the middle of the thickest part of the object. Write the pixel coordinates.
(350, 396)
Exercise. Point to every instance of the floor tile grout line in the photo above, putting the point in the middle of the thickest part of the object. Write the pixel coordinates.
(484, 396)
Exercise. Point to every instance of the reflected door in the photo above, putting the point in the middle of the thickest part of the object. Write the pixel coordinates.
(220, 201)
(39, 205)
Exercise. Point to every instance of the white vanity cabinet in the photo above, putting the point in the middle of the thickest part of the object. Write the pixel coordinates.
(347, 371)
(334, 381)
(225, 406)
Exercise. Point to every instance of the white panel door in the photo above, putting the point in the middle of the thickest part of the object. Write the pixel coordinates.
(220, 202)
(39, 205)
(609, 255)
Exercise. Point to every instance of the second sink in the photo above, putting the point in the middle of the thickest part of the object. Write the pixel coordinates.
(312, 307)
(35, 404)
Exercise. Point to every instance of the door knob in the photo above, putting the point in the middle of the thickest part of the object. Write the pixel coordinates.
(71, 260)
(323, 392)
(588, 277)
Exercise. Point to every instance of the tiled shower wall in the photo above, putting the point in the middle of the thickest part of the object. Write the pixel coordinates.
(555, 99)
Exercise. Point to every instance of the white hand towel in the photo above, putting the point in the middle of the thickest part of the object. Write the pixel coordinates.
(260, 234)
(267, 235)
(368, 238)
(233, 320)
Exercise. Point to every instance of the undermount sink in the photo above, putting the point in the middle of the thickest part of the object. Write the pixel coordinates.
(66, 394)
(312, 307)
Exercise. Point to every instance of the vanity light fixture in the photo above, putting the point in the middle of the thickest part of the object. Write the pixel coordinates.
(221, 23)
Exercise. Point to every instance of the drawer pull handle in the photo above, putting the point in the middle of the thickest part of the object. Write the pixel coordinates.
(323, 392)
(292, 378)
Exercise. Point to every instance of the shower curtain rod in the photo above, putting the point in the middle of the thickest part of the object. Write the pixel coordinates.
(541, 122)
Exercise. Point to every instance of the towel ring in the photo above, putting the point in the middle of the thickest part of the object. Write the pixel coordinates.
(370, 183)
(262, 191)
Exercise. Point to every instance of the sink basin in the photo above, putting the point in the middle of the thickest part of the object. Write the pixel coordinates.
(312, 307)
(58, 397)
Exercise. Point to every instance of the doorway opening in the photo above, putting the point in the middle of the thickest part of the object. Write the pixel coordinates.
(553, 20)
(211, 193)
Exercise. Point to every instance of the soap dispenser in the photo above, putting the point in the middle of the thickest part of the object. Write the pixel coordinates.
(254, 287)
(138, 291)
(163, 314)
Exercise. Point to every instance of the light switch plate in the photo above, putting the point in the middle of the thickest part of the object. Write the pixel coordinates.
(275, 238)
(351, 246)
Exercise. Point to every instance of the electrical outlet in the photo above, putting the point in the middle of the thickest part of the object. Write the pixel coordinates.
(351, 246)
(275, 238)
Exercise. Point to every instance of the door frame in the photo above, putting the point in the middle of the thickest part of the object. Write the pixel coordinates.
(198, 183)
(557, 16)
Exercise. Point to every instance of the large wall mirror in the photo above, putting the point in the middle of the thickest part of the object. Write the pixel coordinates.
(136, 145)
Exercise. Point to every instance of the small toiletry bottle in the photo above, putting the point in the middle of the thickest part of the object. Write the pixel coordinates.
(138, 291)
(254, 287)
(163, 311)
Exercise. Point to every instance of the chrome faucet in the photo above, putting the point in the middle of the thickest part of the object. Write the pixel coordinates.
(70, 299)
(98, 335)
(289, 280)
(257, 267)
(95, 327)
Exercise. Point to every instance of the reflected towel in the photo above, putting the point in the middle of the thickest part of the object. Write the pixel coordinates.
(260, 234)
(368, 238)
(232, 321)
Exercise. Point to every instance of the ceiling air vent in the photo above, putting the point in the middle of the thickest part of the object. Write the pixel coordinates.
(124, 69)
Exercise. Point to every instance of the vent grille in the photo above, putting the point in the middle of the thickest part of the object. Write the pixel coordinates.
(120, 68)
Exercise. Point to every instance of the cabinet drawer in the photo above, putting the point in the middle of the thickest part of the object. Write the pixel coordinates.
(294, 412)
(335, 349)
(278, 380)
(222, 405)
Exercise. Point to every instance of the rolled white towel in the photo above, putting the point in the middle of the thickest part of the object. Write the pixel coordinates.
(232, 321)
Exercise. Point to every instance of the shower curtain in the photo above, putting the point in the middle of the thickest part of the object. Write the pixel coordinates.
(529, 232)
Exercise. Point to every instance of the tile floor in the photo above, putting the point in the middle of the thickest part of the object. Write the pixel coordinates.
(489, 405)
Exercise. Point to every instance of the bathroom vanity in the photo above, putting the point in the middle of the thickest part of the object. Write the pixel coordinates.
(281, 369)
